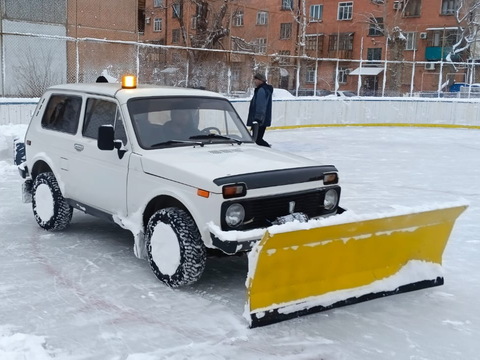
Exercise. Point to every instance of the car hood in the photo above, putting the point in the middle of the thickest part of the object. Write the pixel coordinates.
(211, 166)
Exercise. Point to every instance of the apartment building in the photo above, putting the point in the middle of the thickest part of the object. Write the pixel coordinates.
(312, 43)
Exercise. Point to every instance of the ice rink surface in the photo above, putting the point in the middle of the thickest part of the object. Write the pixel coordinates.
(82, 294)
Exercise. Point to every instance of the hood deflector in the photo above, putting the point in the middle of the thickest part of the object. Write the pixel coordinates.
(278, 177)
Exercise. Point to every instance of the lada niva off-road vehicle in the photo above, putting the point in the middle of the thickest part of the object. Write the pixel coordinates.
(180, 170)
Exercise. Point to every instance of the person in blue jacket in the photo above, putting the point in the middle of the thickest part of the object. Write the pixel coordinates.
(260, 109)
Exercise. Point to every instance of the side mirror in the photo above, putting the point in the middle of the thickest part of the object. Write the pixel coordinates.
(105, 139)
(255, 131)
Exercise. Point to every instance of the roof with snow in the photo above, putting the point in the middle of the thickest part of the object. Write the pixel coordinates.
(115, 90)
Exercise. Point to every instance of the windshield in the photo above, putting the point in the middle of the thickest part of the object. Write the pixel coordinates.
(166, 122)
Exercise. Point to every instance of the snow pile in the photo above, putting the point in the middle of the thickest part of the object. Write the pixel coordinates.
(20, 346)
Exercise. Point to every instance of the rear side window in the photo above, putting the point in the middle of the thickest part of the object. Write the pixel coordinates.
(62, 113)
(102, 112)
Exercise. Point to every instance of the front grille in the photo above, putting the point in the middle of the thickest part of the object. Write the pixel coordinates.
(262, 212)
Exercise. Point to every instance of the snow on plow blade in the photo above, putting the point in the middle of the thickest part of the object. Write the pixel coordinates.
(299, 272)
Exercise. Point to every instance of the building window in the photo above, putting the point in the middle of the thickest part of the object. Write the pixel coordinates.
(412, 8)
(411, 43)
(236, 75)
(376, 27)
(342, 41)
(449, 7)
(310, 75)
(284, 57)
(285, 31)
(261, 45)
(262, 18)
(374, 54)
(157, 24)
(177, 10)
(444, 38)
(287, 4)
(157, 3)
(314, 42)
(238, 18)
(345, 10)
(175, 36)
(316, 12)
(194, 22)
(342, 75)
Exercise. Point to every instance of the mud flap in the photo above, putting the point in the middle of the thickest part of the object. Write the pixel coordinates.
(299, 272)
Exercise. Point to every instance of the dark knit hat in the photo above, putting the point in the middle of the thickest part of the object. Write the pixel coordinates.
(260, 77)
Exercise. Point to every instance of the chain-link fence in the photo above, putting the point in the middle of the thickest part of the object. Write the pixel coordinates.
(33, 62)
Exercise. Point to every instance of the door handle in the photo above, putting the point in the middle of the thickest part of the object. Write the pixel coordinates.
(78, 147)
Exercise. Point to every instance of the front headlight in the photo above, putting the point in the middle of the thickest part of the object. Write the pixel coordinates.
(331, 199)
(234, 215)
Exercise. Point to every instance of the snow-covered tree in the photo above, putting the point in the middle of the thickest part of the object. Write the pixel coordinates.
(467, 15)
(205, 30)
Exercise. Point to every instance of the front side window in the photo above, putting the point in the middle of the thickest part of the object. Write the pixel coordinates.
(345, 10)
(316, 12)
(157, 3)
(62, 113)
(262, 18)
(103, 112)
(167, 121)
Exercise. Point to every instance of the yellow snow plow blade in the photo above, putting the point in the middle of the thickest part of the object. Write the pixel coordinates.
(303, 271)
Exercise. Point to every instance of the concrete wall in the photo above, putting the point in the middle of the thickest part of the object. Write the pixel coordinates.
(296, 112)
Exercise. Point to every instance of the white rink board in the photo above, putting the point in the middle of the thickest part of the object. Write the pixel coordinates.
(325, 111)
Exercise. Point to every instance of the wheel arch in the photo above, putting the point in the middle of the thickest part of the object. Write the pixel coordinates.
(39, 167)
(161, 202)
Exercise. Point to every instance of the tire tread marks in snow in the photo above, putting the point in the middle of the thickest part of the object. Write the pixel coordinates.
(62, 212)
(193, 254)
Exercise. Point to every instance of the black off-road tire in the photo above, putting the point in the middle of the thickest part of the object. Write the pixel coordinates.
(54, 213)
(183, 260)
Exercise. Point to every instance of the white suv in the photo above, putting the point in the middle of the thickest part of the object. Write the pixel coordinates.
(175, 166)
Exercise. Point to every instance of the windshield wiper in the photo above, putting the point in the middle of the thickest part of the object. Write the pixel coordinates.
(169, 142)
(215, 136)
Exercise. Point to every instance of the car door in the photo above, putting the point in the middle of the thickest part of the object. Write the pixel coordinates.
(100, 177)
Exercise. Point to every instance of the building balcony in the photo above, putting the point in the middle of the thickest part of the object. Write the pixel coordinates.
(340, 54)
(237, 58)
(437, 53)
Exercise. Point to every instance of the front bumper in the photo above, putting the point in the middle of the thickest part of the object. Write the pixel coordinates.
(232, 242)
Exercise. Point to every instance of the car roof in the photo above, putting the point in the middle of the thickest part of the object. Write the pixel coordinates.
(115, 90)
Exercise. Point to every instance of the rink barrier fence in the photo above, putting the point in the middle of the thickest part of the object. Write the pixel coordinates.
(304, 113)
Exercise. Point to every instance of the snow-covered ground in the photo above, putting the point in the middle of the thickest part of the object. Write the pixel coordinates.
(82, 294)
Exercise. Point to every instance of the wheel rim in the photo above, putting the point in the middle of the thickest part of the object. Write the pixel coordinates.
(44, 202)
(165, 249)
